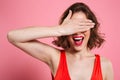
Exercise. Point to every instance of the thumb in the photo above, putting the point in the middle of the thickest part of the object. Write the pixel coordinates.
(69, 15)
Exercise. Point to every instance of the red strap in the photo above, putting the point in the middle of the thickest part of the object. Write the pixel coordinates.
(97, 73)
(62, 72)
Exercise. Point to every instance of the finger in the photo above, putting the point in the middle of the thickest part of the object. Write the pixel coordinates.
(79, 21)
(83, 20)
(84, 29)
(84, 23)
(69, 15)
(87, 24)
(88, 20)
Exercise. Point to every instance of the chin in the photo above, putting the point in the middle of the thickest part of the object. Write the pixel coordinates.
(78, 48)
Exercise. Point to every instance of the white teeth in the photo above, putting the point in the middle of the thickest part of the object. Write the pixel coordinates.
(77, 38)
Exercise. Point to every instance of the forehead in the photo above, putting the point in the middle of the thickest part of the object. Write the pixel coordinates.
(79, 15)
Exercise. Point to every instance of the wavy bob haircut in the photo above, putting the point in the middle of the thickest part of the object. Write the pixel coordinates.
(96, 39)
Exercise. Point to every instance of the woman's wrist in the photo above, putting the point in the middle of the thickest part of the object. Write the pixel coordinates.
(59, 30)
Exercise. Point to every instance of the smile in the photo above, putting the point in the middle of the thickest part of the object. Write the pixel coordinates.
(78, 40)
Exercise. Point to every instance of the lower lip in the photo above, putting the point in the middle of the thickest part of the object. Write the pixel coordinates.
(78, 43)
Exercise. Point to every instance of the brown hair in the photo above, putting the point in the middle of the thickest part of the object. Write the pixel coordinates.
(96, 38)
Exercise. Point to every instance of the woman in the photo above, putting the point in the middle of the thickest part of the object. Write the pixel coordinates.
(77, 33)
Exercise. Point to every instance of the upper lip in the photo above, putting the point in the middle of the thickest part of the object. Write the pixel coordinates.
(78, 36)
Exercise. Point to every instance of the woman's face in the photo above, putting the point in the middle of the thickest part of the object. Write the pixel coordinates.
(79, 40)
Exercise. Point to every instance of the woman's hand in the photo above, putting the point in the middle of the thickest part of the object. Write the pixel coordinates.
(71, 26)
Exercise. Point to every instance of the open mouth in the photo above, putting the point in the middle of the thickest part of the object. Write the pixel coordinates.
(78, 40)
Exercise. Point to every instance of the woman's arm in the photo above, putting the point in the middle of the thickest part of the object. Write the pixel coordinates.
(32, 33)
(26, 38)
(68, 27)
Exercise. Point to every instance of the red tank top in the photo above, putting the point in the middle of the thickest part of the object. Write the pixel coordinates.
(62, 72)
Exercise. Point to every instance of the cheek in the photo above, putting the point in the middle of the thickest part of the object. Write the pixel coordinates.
(87, 34)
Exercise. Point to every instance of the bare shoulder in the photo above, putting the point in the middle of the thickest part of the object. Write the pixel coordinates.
(105, 61)
(107, 68)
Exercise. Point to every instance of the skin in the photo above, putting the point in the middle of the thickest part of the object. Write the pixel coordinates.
(79, 58)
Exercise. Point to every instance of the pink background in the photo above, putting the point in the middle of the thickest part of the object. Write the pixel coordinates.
(16, 65)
